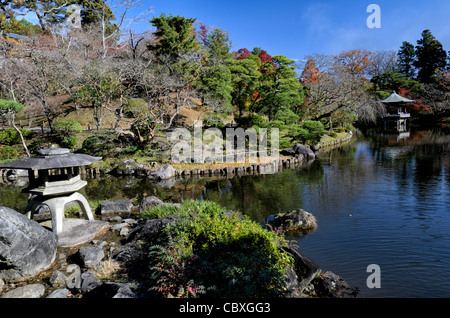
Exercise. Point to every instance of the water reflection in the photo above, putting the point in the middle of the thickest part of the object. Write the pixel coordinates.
(382, 199)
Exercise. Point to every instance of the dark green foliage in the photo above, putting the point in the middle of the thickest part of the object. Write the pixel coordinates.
(99, 145)
(11, 136)
(430, 56)
(214, 253)
(392, 81)
(175, 35)
(406, 57)
(65, 132)
(250, 121)
(7, 152)
(313, 132)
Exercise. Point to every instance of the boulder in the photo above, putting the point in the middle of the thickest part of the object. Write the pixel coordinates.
(149, 230)
(303, 271)
(127, 167)
(330, 285)
(59, 293)
(89, 281)
(26, 248)
(89, 255)
(115, 206)
(149, 202)
(113, 290)
(163, 173)
(297, 220)
(57, 278)
(27, 291)
(304, 150)
(299, 149)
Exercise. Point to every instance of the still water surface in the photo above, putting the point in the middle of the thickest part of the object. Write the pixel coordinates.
(382, 199)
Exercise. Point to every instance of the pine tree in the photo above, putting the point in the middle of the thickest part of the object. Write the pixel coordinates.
(406, 57)
(175, 35)
(430, 57)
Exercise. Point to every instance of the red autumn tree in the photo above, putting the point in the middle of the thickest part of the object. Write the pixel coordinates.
(202, 33)
(241, 54)
(310, 73)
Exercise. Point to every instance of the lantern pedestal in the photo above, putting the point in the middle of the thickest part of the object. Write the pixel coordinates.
(54, 179)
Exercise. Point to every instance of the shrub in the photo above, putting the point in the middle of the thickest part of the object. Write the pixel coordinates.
(99, 145)
(250, 121)
(287, 116)
(7, 152)
(219, 254)
(64, 131)
(11, 136)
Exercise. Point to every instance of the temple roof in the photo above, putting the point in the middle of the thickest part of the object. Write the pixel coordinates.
(53, 158)
(395, 98)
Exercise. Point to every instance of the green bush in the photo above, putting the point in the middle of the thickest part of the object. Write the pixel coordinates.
(11, 137)
(214, 253)
(7, 152)
(65, 131)
(100, 145)
(250, 121)
(287, 116)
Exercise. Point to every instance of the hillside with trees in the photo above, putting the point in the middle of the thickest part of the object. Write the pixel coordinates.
(128, 88)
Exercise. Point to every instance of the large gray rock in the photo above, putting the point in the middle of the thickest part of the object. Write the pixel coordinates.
(149, 230)
(59, 293)
(330, 285)
(89, 255)
(304, 150)
(163, 173)
(116, 206)
(299, 149)
(27, 291)
(89, 281)
(127, 167)
(297, 220)
(26, 248)
(149, 202)
(303, 271)
(114, 290)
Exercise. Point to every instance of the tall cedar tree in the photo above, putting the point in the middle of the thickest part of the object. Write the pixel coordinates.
(175, 35)
(430, 57)
(406, 57)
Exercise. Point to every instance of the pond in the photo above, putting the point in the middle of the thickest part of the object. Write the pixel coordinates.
(382, 199)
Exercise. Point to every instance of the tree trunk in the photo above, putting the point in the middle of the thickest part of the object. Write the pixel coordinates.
(21, 136)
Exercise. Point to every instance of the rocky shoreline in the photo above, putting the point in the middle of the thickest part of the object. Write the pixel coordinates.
(110, 265)
(296, 154)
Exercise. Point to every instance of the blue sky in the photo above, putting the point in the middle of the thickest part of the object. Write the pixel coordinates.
(298, 28)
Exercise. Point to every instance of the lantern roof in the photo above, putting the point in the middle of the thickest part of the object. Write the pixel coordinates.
(51, 158)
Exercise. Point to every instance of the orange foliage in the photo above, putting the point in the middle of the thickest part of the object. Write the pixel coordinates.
(310, 74)
(356, 62)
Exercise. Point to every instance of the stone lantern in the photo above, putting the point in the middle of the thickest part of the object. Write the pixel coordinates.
(54, 179)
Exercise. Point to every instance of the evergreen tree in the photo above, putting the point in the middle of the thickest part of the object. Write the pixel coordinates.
(281, 88)
(175, 35)
(430, 57)
(245, 80)
(406, 57)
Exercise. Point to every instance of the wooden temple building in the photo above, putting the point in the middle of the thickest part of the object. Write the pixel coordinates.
(396, 116)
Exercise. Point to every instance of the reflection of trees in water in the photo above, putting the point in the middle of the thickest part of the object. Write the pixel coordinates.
(338, 176)
(263, 195)
(13, 198)
(348, 171)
